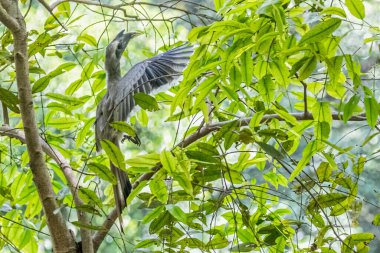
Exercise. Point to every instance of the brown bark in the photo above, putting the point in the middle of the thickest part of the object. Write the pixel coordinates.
(71, 181)
(61, 237)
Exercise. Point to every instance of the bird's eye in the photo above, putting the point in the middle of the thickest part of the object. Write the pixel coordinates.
(119, 46)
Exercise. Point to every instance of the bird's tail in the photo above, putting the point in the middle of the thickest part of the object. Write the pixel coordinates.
(121, 191)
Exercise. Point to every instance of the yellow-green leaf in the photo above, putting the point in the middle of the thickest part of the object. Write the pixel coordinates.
(114, 154)
(88, 39)
(280, 72)
(63, 123)
(124, 127)
(310, 149)
(168, 161)
(146, 101)
(321, 31)
(356, 8)
(148, 160)
(102, 171)
(371, 110)
(333, 11)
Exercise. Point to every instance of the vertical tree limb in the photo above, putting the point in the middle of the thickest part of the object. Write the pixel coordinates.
(54, 154)
(61, 237)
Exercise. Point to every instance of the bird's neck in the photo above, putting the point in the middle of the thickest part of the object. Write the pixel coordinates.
(112, 67)
(113, 75)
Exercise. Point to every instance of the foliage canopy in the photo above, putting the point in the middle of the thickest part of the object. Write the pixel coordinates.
(255, 150)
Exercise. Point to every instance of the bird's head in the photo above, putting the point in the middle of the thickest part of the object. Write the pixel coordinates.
(115, 50)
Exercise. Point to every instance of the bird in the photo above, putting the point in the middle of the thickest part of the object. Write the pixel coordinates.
(118, 102)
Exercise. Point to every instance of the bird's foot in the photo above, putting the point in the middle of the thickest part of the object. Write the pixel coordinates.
(133, 139)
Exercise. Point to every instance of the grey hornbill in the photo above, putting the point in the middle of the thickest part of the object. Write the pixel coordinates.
(118, 102)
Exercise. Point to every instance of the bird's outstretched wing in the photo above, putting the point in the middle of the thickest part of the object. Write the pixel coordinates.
(147, 76)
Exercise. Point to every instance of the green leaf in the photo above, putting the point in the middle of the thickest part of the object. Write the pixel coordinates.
(286, 116)
(88, 209)
(246, 67)
(322, 130)
(180, 97)
(102, 172)
(84, 131)
(147, 243)
(88, 39)
(168, 161)
(124, 127)
(356, 8)
(233, 176)
(65, 7)
(334, 65)
(310, 149)
(65, 67)
(350, 107)
(72, 101)
(376, 220)
(9, 99)
(177, 213)
(280, 72)
(327, 200)
(58, 107)
(41, 84)
(266, 87)
(202, 157)
(63, 123)
(87, 71)
(308, 68)
(261, 68)
(217, 242)
(218, 4)
(359, 166)
(353, 68)
(270, 150)
(153, 214)
(89, 196)
(44, 81)
(235, 77)
(73, 87)
(158, 223)
(324, 171)
(158, 189)
(371, 110)
(322, 113)
(333, 11)
(321, 31)
(146, 101)
(114, 154)
(204, 89)
(354, 239)
(136, 191)
(148, 160)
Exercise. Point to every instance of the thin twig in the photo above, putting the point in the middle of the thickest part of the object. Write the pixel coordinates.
(203, 131)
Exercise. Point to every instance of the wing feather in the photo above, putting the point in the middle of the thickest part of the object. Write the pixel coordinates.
(149, 75)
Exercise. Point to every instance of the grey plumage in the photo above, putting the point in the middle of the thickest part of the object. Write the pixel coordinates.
(118, 102)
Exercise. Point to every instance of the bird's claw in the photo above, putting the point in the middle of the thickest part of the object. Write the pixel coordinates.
(133, 139)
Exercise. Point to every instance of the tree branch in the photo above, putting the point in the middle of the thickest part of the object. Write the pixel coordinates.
(6, 19)
(47, 7)
(67, 171)
(203, 131)
(61, 237)
(88, 2)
